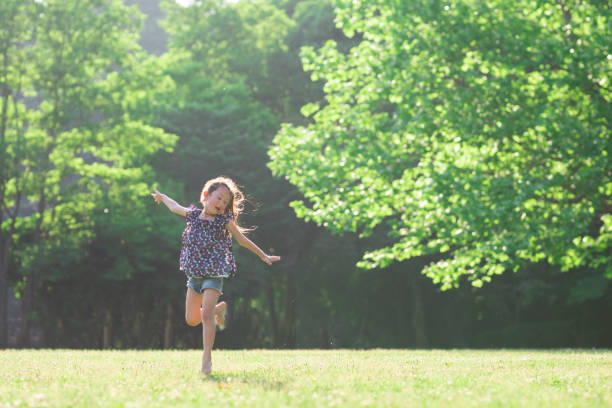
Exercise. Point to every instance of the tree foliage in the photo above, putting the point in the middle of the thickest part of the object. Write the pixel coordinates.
(87, 124)
(15, 17)
(225, 65)
(81, 135)
(475, 130)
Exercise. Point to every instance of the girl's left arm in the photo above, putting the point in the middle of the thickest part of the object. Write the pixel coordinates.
(247, 243)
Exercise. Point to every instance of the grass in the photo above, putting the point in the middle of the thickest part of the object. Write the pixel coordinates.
(307, 378)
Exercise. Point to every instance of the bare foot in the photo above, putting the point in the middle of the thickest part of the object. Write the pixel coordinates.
(206, 366)
(220, 310)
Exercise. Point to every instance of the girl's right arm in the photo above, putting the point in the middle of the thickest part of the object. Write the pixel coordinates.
(170, 203)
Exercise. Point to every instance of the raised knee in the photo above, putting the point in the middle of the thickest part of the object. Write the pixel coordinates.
(191, 321)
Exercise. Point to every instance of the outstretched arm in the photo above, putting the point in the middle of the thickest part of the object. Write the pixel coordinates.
(247, 243)
(170, 203)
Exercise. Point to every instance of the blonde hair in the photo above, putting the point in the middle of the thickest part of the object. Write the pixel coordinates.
(236, 202)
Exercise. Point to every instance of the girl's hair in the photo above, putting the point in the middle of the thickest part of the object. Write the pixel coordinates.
(236, 202)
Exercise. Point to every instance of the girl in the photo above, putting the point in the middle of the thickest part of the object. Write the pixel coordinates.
(206, 255)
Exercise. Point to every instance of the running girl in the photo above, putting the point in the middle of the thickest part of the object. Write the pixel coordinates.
(206, 255)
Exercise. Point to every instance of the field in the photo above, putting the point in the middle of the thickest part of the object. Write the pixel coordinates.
(307, 378)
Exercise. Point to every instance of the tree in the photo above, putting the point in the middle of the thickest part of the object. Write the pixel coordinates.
(239, 77)
(83, 136)
(477, 131)
(18, 20)
(233, 41)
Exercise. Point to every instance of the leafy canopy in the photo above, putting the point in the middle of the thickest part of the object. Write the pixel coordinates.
(475, 130)
(85, 135)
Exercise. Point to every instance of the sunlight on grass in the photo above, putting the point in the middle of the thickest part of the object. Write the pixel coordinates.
(272, 378)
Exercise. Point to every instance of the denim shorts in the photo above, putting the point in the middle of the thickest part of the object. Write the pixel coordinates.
(199, 284)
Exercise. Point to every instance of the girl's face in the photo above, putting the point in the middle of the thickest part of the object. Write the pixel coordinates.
(217, 201)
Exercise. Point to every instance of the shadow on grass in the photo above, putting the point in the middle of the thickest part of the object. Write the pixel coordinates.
(262, 380)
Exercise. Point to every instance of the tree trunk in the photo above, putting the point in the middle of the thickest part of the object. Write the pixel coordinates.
(23, 339)
(107, 332)
(418, 312)
(168, 327)
(5, 250)
(302, 244)
(6, 240)
(4, 292)
(27, 304)
(273, 313)
(290, 339)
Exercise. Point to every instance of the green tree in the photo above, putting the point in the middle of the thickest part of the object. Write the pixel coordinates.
(222, 130)
(18, 19)
(478, 131)
(239, 76)
(84, 135)
(234, 41)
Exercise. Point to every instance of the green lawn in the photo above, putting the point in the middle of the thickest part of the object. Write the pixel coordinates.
(267, 378)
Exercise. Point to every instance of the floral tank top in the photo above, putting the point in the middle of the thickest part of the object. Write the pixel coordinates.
(207, 246)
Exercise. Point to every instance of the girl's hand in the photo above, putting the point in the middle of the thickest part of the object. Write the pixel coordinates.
(270, 259)
(157, 196)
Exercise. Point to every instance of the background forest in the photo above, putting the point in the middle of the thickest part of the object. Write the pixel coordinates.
(433, 173)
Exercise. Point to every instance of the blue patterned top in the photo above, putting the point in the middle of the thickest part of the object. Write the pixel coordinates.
(207, 246)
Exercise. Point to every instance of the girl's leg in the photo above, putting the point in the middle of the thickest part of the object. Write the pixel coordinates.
(193, 309)
(209, 300)
(220, 314)
(193, 303)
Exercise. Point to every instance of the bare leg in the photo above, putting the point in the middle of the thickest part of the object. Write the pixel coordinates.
(193, 309)
(193, 303)
(220, 314)
(209, 300)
